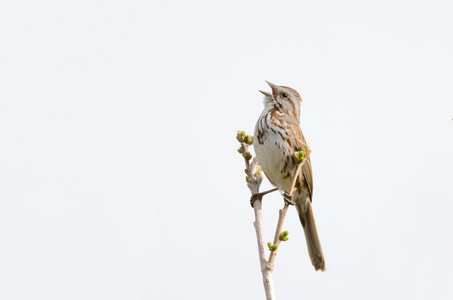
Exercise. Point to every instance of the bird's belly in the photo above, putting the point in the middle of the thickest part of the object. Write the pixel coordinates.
(276, 164)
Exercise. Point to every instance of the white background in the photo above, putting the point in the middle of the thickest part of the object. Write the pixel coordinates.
(119, 176)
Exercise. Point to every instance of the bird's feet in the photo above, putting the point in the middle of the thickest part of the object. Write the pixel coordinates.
(259, 196)
(256, 197)
(288, 199)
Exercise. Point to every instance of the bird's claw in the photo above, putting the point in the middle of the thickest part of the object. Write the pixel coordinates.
(259, 196)
(288, 199)
(255, 197)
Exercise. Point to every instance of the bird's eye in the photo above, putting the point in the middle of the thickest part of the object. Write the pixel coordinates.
(284, 95)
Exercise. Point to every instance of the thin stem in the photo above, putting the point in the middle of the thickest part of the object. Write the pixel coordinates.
(253, 183)
(281, 216)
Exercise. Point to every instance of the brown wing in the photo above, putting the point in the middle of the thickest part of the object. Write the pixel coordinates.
(299, 142)
(308, 175)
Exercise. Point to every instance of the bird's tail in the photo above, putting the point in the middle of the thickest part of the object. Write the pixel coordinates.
(311, 234)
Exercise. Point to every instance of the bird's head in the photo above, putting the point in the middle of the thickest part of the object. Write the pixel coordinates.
(285, 99)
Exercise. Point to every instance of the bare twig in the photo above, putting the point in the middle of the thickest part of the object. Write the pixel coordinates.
(281, 217)
(254, 180)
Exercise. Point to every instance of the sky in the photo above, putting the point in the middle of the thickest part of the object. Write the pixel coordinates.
(119, 175)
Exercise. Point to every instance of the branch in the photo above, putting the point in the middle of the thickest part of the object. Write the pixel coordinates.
(281, 218)
(254, 179)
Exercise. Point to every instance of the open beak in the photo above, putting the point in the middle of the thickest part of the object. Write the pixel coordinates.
(267, 94)
(273, 87)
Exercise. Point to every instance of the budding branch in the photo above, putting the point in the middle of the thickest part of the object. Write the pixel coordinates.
(254, 179)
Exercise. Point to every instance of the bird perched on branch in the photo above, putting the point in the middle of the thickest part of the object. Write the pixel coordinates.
(277, 136)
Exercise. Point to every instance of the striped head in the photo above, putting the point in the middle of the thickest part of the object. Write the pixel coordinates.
(284, 99)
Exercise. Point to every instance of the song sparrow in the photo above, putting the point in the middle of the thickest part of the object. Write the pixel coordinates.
(277, 136)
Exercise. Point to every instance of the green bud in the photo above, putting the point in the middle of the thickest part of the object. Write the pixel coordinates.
(243, 136)
(270, 246)
(240, 136)
(247, 155)
(249, 139)
(259, 172)
(301, 157)
(241, 150)
(284, 236)
(306, 149)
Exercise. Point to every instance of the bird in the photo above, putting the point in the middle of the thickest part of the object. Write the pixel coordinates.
(277, 136)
